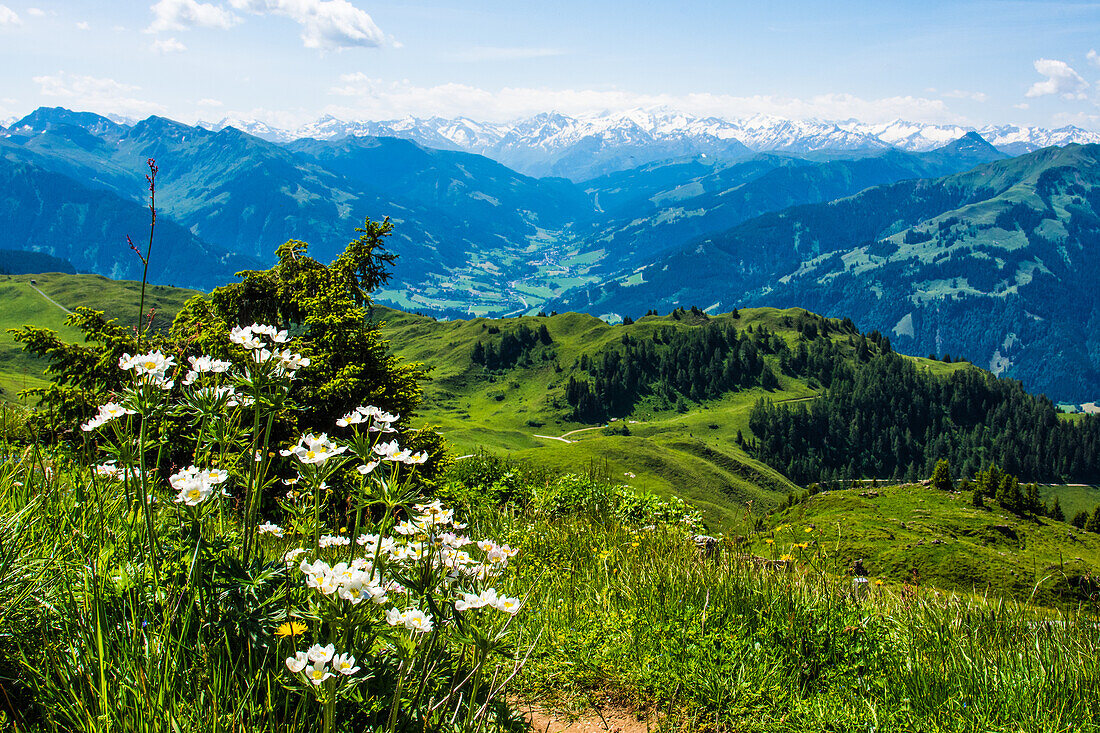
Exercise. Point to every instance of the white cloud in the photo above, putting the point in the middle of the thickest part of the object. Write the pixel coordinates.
(326, 24)
(209, 102)
(1022, 105)
(105, 96)
(1061, 79)
(83, 25)
(1093, 57)
(8, 17)
(498, 53)
(36, 12)
(369, 98)
(168, 45)
(179, 15)
(960, 94)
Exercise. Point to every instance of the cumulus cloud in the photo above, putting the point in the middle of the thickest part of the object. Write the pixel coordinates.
(326, 24)
(168, 45)
(83, 25)
(8, 17)
(369, 98)
(105, 96)
(1093, 57)
(1061, 79)
(179, 15)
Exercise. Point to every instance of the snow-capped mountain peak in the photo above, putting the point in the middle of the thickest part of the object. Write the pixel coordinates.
(553, 143)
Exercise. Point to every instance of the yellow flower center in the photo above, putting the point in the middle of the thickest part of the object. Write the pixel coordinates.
(150, 365)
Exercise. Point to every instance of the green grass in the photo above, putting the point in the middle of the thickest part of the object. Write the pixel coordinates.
(918, 534)
(23, 305)
(641, 619)
(1073, 498)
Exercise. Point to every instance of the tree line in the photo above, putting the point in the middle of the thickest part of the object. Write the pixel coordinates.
(888, 418)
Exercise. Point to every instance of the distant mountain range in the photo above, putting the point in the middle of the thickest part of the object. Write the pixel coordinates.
(584, 147)
(997, 264)
(957, 249)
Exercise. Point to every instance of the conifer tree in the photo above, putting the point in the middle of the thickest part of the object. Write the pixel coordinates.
(941, 476)
(1056, 512)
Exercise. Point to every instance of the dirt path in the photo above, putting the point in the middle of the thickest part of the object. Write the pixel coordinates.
(610, 718)
(551, 437)
(48, 298)
(564, 437)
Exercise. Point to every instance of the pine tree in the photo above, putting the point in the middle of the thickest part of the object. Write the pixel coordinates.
(1056, 512)
(1093, 525)
(941, 476)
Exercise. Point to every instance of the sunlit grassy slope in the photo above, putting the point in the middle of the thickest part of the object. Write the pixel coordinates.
(22, 304)
(920, 535)
(694, 454)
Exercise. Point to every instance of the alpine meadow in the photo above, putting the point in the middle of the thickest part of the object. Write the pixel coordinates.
(497, 368)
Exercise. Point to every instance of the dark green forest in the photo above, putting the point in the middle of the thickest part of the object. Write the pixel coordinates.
(889, 419)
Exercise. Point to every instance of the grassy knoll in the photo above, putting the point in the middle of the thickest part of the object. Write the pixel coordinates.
(25, 305)
(693, 454)
(916, 534)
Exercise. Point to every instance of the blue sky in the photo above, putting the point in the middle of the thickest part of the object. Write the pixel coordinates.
(291, 61)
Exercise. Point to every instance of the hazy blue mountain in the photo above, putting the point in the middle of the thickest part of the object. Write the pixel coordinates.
(470, 187)
(52, 214)
(249, 195)
(658, 208)
(997, 265)
(21, 262)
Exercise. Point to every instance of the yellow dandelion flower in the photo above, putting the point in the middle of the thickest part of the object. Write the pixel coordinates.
(290, 628)
(786, 558)
(808, 530)
(769, 541)
(878, 581)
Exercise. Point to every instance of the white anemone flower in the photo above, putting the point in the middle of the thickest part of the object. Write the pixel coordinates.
(344, 664)
(297, 663)
(367, 467)
(292, 556)
(106, 413)
(412, 619)
(507, 605)
(107, 470)
(330, 540)
(154, 363)
(416, 620)
(245, 337)
(387, 450)
(318, 673)
(322, 654)
(271, 529)
(352, 418)
(314, 449)
(290, 361)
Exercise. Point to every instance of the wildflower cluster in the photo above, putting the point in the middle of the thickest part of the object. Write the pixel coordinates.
(196, 485)
(313, 665)
(374, 575)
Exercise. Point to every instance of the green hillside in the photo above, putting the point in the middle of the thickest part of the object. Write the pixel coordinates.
(920, 535)
(25, 305)
(689, 449)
